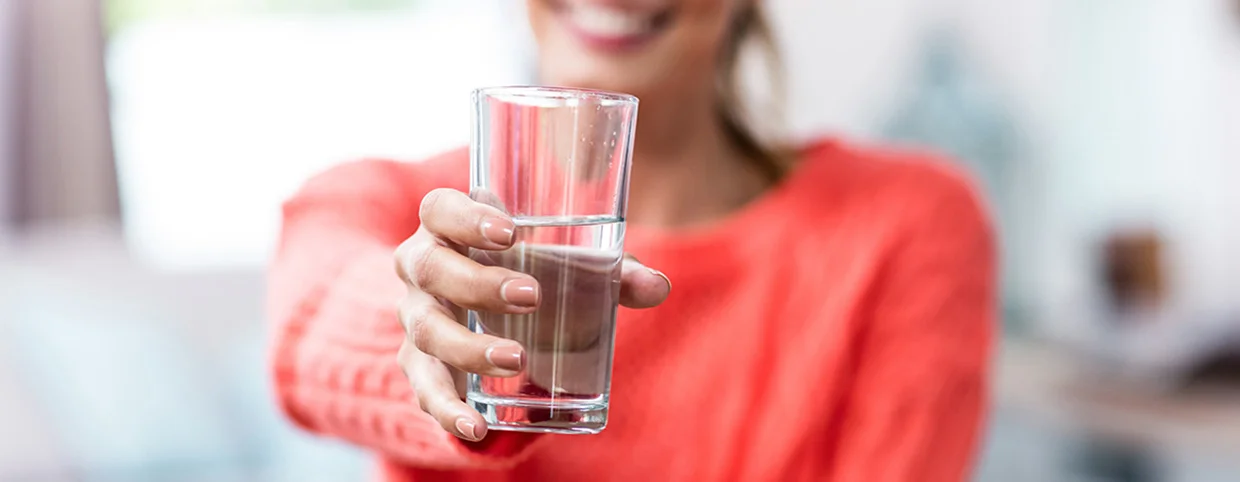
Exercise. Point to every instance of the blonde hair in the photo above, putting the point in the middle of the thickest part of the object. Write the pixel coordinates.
(751, 27)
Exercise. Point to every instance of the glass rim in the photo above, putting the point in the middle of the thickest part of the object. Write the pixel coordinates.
(537, 93)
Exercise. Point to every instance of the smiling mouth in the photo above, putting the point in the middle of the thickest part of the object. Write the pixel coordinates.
(609, 27)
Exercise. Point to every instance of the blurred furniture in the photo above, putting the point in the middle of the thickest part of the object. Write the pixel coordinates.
(8, 111)
(1188, 436)
(55, 142)
(111, 370)
(1133, 270)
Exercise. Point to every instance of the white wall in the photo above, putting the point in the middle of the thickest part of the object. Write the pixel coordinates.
(845, 59)
(1140, 135)
(848, 59)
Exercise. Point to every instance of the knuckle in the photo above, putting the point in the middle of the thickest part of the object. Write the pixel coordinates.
(404, 358)
(411, 256)
(401, 255)
(421, 330)
(431, 202)
(422, 263)
(428, 203)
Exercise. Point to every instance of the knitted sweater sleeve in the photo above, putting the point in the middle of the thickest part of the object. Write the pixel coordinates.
(332, 297)
(918, 399)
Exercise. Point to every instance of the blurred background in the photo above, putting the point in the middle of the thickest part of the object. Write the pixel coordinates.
(145, 146)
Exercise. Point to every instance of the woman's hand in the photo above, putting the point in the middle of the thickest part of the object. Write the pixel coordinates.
(443, 283)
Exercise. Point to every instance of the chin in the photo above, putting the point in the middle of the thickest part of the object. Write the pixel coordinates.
(612, 80)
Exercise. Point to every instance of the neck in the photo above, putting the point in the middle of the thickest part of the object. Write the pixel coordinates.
(685, 171)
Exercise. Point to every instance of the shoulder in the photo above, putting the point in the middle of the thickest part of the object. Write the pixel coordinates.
(379, 177)
(900, 187)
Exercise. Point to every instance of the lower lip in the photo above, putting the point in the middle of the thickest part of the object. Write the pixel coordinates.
(607, 43)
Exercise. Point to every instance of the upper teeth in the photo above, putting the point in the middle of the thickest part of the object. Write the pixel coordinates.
(600, 20)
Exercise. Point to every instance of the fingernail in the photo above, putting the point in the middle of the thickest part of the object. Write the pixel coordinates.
(498, 230)
(506, 356)
(661, 275)
(520, 292)
(467, 429)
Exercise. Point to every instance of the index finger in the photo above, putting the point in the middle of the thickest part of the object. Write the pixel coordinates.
(452, 215)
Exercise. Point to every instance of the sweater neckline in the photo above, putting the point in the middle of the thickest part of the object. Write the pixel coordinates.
(763, 208)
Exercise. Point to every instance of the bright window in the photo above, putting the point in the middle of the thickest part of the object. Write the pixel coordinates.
(222, 108)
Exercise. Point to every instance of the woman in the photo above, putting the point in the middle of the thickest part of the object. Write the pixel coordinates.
(831, 320)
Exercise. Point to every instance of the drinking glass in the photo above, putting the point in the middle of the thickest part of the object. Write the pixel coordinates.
(556, 160)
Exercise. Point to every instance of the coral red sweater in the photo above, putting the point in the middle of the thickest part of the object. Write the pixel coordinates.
(837, 328)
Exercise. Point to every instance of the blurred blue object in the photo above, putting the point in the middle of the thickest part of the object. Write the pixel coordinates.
(147, 376)
(124, 395)
(289, 454)
(953, 107)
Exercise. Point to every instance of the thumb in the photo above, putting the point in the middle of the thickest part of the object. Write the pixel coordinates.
(642, 286)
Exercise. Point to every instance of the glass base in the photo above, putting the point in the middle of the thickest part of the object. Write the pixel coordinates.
(519, 415)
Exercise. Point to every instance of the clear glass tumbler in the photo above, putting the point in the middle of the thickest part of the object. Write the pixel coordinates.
(557, 160)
